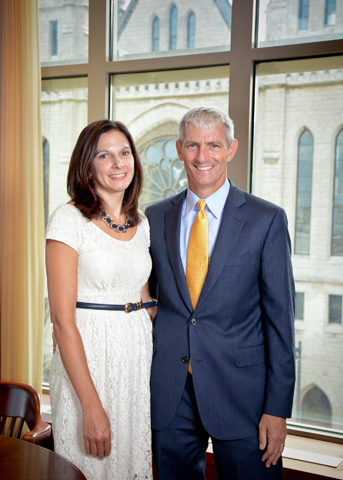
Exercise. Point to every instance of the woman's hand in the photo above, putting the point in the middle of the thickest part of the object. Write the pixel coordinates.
(152, 312)
(146, 297)
(96, 432)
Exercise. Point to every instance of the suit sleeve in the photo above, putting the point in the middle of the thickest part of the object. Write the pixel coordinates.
(277, 302)
(153, 288)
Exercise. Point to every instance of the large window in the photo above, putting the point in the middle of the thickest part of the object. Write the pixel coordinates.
(130, 38)
(294, 166)
(64, 115)
(152, 104)
(283, 88)
(298, 21)
(63, 31)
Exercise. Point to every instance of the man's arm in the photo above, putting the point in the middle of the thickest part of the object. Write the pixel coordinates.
(277, 295)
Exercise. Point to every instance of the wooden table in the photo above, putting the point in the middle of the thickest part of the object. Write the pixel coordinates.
(21, 460)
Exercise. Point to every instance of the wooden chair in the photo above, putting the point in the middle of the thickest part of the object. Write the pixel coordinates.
(19, 404)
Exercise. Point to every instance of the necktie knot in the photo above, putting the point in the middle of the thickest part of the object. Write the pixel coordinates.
(201, 206)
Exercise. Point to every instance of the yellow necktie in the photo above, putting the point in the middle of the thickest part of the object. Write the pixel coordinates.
(197, 256)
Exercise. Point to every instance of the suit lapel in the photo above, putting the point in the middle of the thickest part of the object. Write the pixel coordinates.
(232, 223)
(172, 221)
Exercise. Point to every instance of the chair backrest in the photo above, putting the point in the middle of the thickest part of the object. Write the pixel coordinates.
(19, 403)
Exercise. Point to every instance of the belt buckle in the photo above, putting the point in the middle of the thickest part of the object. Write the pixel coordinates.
(128, 307)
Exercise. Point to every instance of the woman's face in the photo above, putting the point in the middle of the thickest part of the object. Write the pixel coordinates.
(113, 166)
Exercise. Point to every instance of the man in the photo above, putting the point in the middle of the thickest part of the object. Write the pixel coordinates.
(223, 364)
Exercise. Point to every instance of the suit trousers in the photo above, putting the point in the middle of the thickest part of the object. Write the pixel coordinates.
(179, 450)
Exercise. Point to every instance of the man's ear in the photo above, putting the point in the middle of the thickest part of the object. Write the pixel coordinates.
(179, 150)
(232, 150)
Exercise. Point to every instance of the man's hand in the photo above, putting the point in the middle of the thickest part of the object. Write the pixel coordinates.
(272, 438)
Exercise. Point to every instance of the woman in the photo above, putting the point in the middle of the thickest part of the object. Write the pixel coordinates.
(98, 263)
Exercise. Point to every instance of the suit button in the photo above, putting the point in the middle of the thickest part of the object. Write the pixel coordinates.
(194, 321)
(184, 359)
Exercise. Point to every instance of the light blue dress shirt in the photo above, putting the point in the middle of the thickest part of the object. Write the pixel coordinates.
(214, 209)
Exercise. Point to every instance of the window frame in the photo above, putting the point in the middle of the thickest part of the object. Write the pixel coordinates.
(243, 57)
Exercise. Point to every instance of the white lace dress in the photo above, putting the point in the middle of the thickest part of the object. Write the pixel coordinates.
(118, 348)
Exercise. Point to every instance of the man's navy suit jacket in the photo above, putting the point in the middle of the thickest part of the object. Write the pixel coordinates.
(241, 335)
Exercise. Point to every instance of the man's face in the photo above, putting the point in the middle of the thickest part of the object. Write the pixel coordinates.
(205, 154)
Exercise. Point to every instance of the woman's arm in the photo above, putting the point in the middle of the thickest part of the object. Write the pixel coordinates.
(61, 266)
(146, 297)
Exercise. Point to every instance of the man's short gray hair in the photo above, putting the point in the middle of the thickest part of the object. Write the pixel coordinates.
(205, 117)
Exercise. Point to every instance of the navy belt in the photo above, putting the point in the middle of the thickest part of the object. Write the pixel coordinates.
(127, 308)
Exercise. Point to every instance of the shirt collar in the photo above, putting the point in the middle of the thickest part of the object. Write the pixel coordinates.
(215, 202)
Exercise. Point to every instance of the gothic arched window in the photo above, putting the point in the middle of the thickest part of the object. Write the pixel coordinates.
(316, 406)
(173, 28)
(304, 193)
(303, 14)
(337, 208)
(155, 35)
(191, 30)
(330, 13)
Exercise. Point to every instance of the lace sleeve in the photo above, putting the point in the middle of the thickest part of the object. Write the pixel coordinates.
(64, 226)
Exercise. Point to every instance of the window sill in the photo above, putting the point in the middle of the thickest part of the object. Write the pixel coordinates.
(302, 447)
(321, 454)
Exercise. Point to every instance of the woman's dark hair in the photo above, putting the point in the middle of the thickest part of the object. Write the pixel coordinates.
(80, 184)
